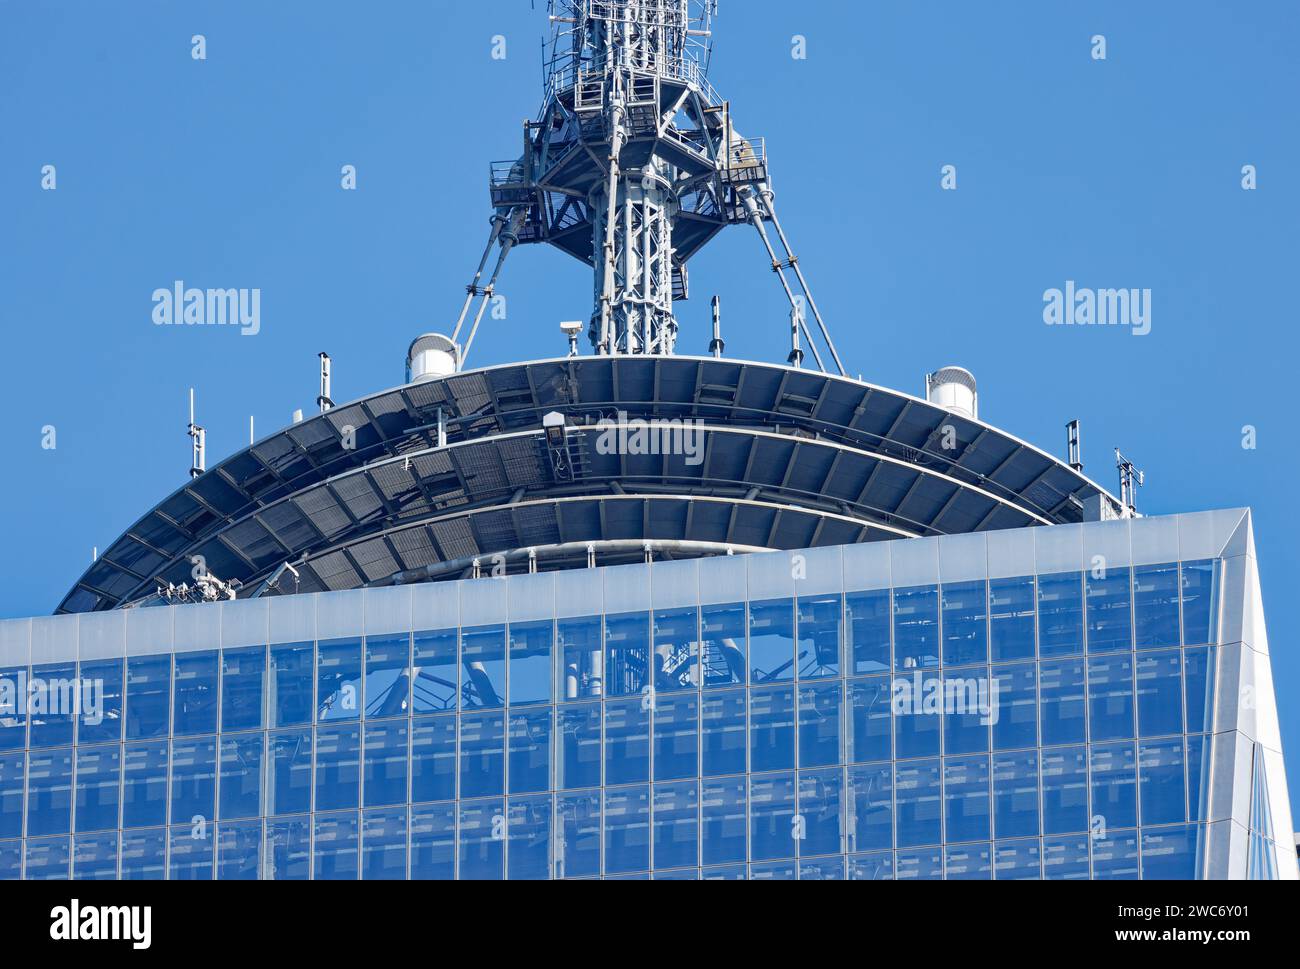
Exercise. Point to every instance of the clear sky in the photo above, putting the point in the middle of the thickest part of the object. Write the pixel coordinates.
(225, 172)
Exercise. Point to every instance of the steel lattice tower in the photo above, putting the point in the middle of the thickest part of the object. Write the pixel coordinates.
(632, 166)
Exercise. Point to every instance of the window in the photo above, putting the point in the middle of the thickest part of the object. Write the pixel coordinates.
(1109, 617)
(290, 774)
(1198, 585)
(820, 635)
(771, 640)
(916, 627)
(482, 754)
(529, 829)
(819, 725)
(530, 661)
(677, 737)
(965, 623)
(530, 750)
(52, 701)
(1155, 605)
(383, 844)
(871, 807)
(723, 836)
(436, 686)
(334, 857)
(869, 723)
(578, 760)
(384, 781)
(771, 817)
(627, 653)
(677, 649)
(1110, 697)
(338, 680)
(1011, 618)
(966, 798)
(1160, 693)
(724, 644)
(102, 722)
(148, 697)
(144, 785)
(627, 830)
(722, 717)
(195, 686)
(581, 653)
(388, 678)
(243, 674)
(433, 759)
(868, 628)
(99, 771)
(1060, 614)
(338, 767)
(676, 824)
(771, 728)
(241, 776)
(291, 679)
(627, 741)
(1015, 794)
(483, 662)
(916, 797)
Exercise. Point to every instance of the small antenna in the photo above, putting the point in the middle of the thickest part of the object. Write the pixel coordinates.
(1074, 445)
(1130, 479)
(571, 329)
(796, 320)
(324, 399)
(251, 439)
(716, 346)
(198, 436)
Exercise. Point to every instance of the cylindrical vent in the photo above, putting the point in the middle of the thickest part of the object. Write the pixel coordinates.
(953, 388)
(431, 356)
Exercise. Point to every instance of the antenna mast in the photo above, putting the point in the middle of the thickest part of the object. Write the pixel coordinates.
(198, 437)
(633, 166)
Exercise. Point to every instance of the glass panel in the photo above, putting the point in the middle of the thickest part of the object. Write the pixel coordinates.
(241, 776)
(482, 840)
(1110, 624)
(48, 859)
(144, 854)
(724, 817)
(821, 796)
(530, 838)
(383, 844)
(191, 854)
(483, 661)
(1160, 693)
(290, 776)
(290, 702)
(1060, 614)
(1110, 697)
(1015, 715)
(530, 750)
(148, 696)
(94, 857)
(1061, 701)
(482, 754)
(1169, 854)
(874, 866)
(338, 767)
(871, 807)
(582, 670)
(1065, 858)
(99, 771)
(916, 798)
(433, 759)
(965, 623)
(1199, 672)
(677, 737)
(1164, 796)
(530, 661)
(922, 864)
(578, 761)
(1015, 794)
(54, 698)
(11, 794)
(577, 822)
(194, 780)
(820, 635)
(335, 853)
(436, 687)
(819, 725)
(771, 728)
(627, 741)
(338, 680)
(1011, 618)
(1155, 605)
(968, 862)
(1115, 857)
(1065, 790)
(724, 644)
(243, 675)
(433, 842)
(772, 831)
(1017, 860)
(676, 825)
(916, 627)
(771, 640)
(144, 785)
(388, 676)
(968, 709)
(239, 850)
(627, 830)
(870, 725)
(13, 711)
(1198, 603)
(385, 771)
(868, 629)
(722, 718)
(917, 705)
(195, 688)
(1114, 784)
(677, 649)
(627, 653)
(101, 719)
(966, 798)
(288, 849)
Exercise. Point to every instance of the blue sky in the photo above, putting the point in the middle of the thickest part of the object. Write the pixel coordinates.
(225, 173)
